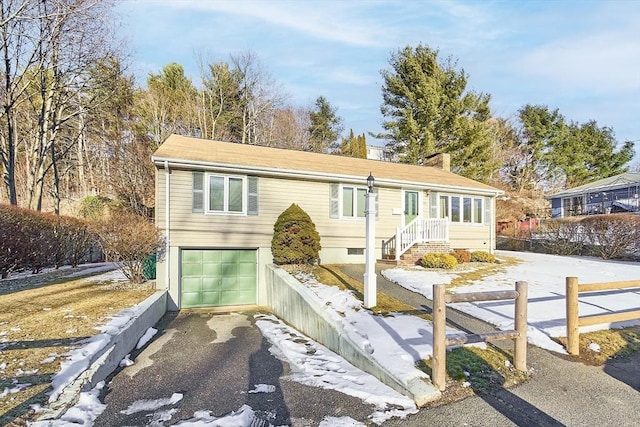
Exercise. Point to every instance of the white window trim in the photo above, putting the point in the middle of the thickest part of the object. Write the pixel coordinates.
(474, 222)
(355, 202)
(225, 212)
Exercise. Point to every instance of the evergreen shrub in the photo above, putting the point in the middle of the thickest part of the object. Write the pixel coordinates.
(482, 256)
(295, 239)
(439, 260)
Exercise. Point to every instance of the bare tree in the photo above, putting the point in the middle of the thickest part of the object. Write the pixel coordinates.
(259, 96)
(49, 57)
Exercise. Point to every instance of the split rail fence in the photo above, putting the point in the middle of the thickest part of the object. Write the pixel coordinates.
(441, 341)
(574, 321)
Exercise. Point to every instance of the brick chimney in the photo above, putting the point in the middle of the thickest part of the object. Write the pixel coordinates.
(440, 161)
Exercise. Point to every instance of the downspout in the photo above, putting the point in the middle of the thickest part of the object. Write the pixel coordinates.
(167, 187)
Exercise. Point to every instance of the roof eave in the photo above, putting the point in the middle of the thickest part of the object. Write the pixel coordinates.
(314, 176)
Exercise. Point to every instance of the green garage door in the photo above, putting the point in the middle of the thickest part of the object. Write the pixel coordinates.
(218, 277)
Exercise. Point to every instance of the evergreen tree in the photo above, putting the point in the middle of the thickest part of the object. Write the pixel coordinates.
(549, 153)
(326, 126)
(354, 146)
(588, 153)
(295, 239)
(428, 110)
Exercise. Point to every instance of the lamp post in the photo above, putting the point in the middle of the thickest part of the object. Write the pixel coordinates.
(370, 256)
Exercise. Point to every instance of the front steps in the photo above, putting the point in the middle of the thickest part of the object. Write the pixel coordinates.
(413, 255)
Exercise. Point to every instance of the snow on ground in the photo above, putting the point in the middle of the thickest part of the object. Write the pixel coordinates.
(545, 275)
(315, 365)
(398, 341)
(78, 360)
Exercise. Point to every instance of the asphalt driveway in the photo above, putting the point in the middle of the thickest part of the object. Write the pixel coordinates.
(213, 361)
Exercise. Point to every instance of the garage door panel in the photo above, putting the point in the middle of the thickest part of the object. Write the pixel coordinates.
(212, 269)
(191, 256)
(189, 269)
(210, 298)
(245, 283)
(211, 256)
(191, 284)
(229, 269)
(246, 297)
(247, 270)
(229, 256)
(231, 298)
(217, 277)
(246, 256)
(229, 284)
(211, 283)
(191, 299)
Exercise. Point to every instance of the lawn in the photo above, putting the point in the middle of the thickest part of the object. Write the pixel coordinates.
(39, 325)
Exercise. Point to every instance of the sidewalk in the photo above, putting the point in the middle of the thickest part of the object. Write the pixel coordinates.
(560, 392)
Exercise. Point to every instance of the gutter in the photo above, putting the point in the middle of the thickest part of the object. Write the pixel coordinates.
(298, 174)
(167, 216)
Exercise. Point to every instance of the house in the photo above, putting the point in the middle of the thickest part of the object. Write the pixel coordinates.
(620, 193)
(217, 202)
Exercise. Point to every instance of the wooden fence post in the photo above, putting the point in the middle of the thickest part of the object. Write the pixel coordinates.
(573, 329)
(439, 365)
(520, 350)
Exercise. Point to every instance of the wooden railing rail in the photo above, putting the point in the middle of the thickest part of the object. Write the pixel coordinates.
(441, 341)
(574, 321)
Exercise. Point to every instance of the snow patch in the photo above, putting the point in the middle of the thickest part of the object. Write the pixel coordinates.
(146, 338)
(150, 405)
(263, 388)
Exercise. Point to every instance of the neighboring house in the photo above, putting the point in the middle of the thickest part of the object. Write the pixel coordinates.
(217, 203)
(620, 193)
(376, 152)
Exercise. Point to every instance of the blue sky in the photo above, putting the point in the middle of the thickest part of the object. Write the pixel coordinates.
(582, 57)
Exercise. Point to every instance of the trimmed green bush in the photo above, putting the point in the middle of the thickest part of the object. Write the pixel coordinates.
(295, 239)
(439, 260)
(461, 255)
(482, 256)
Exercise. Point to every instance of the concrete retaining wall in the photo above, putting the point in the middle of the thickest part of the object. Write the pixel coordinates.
(103, 363)
(298, 306)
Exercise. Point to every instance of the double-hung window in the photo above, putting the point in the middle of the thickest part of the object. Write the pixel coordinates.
(226, 194)
(462, 209)
(353, 202)
(214, 193)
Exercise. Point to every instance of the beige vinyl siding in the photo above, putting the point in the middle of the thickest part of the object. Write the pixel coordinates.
(274, 196)
(190, 229)
(472, 237)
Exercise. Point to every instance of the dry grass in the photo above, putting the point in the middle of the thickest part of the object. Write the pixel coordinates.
(472, 370)
(613, 343)
(470, 272)
(38, 326)
(331, 275)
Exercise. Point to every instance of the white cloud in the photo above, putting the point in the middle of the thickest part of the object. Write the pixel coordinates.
(337, 21)
(598, 63)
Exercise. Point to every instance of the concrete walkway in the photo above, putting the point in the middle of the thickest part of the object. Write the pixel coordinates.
(561, 392)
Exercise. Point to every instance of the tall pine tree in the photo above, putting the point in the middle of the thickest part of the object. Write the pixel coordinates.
(429, 110)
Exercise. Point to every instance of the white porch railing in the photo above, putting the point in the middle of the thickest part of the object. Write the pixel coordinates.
(417, 231)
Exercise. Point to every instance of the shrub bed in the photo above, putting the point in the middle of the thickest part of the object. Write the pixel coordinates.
(461, 255)
(482, 256)
(439, 260)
